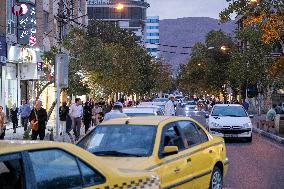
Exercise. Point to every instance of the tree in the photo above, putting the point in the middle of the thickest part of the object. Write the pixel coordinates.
(267, 14)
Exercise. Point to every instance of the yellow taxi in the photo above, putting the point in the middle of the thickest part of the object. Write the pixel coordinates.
(179, 149)
(47, 165)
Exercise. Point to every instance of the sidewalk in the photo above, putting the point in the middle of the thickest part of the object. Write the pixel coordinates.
(270, 133)
(19, 135)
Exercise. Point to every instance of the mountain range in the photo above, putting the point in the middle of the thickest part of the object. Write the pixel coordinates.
(177, 35)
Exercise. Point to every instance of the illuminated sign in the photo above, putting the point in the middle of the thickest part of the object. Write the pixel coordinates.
(27, 24)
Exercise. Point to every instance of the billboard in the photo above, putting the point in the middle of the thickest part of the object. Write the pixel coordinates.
(3, 50)
(27, 25)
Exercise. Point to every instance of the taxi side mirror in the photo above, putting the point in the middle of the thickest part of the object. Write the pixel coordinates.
(170, 150)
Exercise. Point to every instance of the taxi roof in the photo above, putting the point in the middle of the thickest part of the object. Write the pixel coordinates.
(10, 146)
(148, 120)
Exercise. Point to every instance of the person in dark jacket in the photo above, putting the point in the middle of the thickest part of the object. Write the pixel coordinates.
(38, 115)
(14, 117)
(63, 112)
(87, 116)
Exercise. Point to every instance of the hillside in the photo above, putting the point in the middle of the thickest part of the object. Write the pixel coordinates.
(185, 32)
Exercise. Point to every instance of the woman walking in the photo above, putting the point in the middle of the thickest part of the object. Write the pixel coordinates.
(2, 123)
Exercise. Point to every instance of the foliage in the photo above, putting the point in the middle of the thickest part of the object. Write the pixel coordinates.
(207, 68)
(106, 59)
(268, 14)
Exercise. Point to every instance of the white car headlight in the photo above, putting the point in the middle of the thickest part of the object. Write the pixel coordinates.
(248, 125)
(213, 124)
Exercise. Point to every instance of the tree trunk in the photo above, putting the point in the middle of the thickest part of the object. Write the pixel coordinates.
(43, 88)
(51, 109)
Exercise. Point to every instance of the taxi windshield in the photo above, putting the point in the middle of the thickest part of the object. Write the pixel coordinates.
(120, 140)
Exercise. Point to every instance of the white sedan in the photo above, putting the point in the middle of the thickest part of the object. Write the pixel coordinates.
(230, 121)
(142, 111)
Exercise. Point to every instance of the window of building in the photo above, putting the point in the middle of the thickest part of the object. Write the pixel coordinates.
(152, 41)
(11, 29)
(153, 34)
(152, 21)
(45, 20)
(152, 27)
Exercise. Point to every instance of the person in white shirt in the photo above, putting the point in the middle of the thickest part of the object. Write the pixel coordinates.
(116, 112)
(76, 113)
(170, 106)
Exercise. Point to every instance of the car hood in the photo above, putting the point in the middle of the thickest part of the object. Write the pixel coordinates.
(229, 121)
(127, 163)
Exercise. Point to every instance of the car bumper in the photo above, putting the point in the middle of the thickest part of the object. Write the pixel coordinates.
(231, 133)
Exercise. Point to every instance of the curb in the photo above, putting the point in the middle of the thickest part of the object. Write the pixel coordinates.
(269, 135)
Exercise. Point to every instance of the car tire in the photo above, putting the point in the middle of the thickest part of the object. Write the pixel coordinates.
(216, 181)
(249, 139)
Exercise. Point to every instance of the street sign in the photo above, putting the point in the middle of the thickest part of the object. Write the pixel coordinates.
(3, 50)
(17, 10)
(62, 61)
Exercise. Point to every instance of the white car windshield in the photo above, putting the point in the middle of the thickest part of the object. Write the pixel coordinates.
(231, 111)
(120, 140)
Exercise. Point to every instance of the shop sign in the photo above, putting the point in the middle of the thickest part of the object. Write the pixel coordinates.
(27, 25)
(3, 50)
(29, 72)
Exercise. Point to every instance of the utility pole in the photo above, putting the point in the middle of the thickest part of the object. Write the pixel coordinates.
(60, 16)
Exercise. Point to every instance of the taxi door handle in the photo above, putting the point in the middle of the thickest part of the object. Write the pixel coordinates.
(188, 160)
(177, 170)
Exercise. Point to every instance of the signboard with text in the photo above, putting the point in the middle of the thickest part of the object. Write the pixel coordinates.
(3, 50)
(27, 25)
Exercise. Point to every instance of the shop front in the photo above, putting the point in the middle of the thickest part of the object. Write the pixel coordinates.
(21, 72)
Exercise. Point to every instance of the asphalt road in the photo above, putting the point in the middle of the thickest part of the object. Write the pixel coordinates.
(256, 165)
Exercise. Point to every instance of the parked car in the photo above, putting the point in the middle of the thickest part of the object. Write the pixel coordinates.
(160, 104)
(163, 100)
(190, 106)
(230, 121)
(142, 111)
(179, 149)
(48, 165)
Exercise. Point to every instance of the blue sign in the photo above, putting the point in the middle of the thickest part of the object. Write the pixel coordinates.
(3, 50)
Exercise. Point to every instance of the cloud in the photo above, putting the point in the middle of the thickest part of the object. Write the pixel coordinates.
(186, 8)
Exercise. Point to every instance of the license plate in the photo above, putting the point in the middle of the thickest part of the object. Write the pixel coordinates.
(231, 135)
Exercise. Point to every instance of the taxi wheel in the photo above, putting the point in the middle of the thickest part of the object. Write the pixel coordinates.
(216, 179)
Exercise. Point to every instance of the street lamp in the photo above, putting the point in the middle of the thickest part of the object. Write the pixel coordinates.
(119, 7)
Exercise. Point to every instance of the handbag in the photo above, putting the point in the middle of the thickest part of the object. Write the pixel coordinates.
(34, 122)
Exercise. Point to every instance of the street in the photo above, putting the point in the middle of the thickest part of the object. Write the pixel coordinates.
(258, 164)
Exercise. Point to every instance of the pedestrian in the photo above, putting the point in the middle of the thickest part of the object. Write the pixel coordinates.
(76, 113)
(3, 121)
(95, 113)
(116, 112)
(170, 106)
(245, 104)
(278, 109)
(24, 112)
(63, 112)
(14, 117)
(87, 116)
(38, 120)
(271, 114)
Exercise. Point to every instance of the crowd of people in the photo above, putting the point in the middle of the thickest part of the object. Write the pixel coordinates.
(74, 116)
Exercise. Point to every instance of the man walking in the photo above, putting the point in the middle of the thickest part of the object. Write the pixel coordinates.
(63, 112)
(14, 116)
(76, 113)
(24, 112)
(116, 112)
(38, 119)
(170, 106)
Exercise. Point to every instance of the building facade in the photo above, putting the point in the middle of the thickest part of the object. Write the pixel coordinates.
(131, 15)
(27, 36)
(152, 35)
